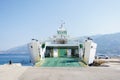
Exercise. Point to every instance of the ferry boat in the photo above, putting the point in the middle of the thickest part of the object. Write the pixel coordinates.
(61, 45)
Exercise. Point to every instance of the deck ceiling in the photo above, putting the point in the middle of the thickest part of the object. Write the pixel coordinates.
(62, 46)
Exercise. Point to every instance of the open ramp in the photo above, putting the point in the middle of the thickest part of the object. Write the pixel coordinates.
(61, 62)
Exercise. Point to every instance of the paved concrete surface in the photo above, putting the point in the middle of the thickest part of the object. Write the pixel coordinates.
(89, 73)
(11, 72)
(17, 72)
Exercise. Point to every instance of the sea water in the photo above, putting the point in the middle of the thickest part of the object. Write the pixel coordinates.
(24, 59)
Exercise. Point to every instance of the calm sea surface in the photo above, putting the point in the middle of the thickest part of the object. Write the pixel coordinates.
(24, 59)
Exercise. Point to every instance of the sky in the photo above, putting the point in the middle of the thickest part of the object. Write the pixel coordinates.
(22, 20)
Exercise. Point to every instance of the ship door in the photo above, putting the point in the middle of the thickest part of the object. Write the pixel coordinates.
(62, 53)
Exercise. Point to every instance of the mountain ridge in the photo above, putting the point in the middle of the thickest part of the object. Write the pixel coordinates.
(108, 44)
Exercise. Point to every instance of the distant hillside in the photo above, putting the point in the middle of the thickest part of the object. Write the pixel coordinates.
(18, 50)
(108, 44)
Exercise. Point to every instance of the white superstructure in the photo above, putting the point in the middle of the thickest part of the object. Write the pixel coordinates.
(35, 47)
(89, 51)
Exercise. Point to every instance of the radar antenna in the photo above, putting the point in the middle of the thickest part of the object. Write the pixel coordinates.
(62, 23)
